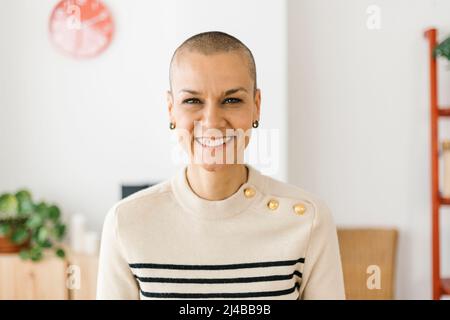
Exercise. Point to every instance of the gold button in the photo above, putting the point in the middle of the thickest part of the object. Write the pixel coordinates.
(249, 192)
(272, 204)
(299, 209)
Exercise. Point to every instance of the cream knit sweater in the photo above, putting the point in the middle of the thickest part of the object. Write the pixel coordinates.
(269, 240)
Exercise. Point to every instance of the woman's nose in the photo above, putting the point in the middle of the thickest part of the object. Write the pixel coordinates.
(213, 117)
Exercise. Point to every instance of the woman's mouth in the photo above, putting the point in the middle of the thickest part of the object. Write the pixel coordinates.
(214, 142)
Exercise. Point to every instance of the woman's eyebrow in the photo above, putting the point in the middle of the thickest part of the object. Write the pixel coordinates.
(189, 91)
(231, 91)
(228, 92)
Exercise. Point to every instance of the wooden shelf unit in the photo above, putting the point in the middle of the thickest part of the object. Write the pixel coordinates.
(440, 286)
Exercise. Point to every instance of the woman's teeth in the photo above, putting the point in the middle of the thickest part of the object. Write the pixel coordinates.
(213, 143)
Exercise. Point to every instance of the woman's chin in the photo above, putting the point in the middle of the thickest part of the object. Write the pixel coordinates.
(213, 167)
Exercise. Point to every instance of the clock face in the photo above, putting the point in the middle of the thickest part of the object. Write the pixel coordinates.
(81, 28)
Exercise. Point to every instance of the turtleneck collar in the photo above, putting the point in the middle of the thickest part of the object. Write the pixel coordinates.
(235, 204)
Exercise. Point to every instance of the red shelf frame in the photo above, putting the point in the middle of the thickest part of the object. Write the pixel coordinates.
(440, 286)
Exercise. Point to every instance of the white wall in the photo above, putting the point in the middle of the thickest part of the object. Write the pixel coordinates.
(359, 119)
(72, 131)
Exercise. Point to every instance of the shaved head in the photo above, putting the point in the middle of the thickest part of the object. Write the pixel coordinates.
(214, 42)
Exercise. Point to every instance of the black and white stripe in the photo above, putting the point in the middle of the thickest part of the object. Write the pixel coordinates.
(269, 279)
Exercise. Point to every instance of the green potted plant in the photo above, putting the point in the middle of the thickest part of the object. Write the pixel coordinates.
(443, 49)
(30, 228)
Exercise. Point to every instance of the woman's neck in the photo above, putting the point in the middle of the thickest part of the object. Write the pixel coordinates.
(216, 185)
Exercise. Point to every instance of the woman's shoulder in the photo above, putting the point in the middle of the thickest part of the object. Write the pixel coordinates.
(296, 200)
(134, 203)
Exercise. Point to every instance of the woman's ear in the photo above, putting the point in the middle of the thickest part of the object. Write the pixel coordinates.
(257, 104)
(169, 100)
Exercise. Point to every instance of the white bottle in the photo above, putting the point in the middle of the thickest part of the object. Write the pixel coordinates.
(91, 243)
(77, 232)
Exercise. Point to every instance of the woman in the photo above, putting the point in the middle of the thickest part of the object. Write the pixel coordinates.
(218, 228)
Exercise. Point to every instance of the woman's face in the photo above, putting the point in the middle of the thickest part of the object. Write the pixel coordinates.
(213, 105)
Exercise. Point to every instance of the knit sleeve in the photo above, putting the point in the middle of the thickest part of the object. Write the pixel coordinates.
(115, 280)
(322, 273)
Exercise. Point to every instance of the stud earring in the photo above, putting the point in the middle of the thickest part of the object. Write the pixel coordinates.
(172, 125)
(255, 124)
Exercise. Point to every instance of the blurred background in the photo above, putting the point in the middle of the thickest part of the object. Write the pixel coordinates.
(345, 84)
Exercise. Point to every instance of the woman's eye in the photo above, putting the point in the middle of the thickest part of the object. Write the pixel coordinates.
(232, 100)
(191, 101)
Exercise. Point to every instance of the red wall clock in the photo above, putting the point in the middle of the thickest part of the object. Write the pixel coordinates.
(81, 28)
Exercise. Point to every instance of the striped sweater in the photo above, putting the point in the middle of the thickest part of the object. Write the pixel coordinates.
(269, 240)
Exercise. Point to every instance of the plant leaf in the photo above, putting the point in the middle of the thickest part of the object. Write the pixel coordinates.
(19, 235)
(60, 253)
(34, 221)
(443, 49)
(54, 213)
(36, 253)
(46, 244)
(8, 204)
(25, 203)
(42, 209)
(24, 254)
(59, 231)
(5, 228)
(42, 234)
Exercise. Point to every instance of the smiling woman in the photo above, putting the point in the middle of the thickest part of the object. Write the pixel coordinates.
(218, 228)
(214, 102)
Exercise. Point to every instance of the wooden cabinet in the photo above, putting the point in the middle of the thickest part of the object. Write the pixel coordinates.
(52, 278)
(32, 280)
